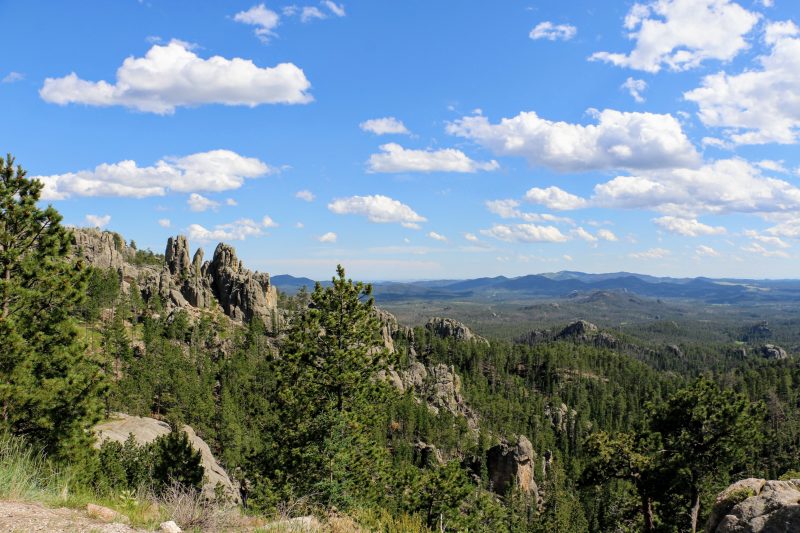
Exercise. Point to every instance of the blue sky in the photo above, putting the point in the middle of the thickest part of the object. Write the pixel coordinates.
(414, 139)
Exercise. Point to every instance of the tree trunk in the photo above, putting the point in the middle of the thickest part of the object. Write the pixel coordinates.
(695, 507)
(647, 514)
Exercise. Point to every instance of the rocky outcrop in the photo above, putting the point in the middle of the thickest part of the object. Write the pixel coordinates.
(146, 430)
(561, 417)
(183, 283)
(508, 463)
(771, 351)
(447, 328)
(390, 328)
(757, 505)
(580, 330)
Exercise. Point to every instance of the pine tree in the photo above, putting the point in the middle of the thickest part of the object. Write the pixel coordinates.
(50, 391)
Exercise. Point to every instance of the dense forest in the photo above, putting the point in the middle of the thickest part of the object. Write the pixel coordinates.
(334, 405)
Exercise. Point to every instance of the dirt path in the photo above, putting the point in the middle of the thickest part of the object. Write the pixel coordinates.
(21, 517)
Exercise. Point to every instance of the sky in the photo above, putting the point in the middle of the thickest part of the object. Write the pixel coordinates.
(418, 139)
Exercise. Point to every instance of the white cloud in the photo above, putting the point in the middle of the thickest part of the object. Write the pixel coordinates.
(233, 231)
(329, 237)
(635, 88)
(172, 75)
(618, 140)
(471, 237)
(681, 34)
(607, 235)
(200, 203)
(775, 166)
(231, 202)
(12, 77)
(767, 239)
(310, 13)
(217, 170)
(553, 32)
(688, 227)
(759, 105)
(788, 228)
(377, 208)
(508, 209)
(554, 198)
(98, 221)
(305, 195)
(384, 126)
(707, 251)
(333, 7)
(652, 253)
(437, 237)
(265, 20)
(756, 248)
(723, 186)
(299, 225)
(164, 222)
(582, 234)
(395, 158)
(525, 233)
(267, 222)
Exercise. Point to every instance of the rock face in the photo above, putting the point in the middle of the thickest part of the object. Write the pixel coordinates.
(183, 283)
(146, 430)
(448, 328)
(771, 351)
(507, 463)
(580, 330)
(757, 505)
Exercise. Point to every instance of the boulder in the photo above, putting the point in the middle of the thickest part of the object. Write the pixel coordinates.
(447, 328)
(146, 430)
(757, 505)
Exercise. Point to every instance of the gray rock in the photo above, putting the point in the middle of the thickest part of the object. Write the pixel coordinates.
(756, 505)
(579, 330)
(772, 351)
(177, 256)
(146, 430)
(449, 328)
(507, 464)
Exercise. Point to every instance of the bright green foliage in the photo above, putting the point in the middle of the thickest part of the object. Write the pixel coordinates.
(49, 389)
(437, 494)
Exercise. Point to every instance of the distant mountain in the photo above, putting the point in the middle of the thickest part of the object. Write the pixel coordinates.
(570, 284)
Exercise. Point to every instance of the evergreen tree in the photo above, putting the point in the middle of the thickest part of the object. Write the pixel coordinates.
(175, 461)
(50, 391)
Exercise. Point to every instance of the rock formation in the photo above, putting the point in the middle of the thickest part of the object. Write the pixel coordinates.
(771, 351)
(146, 430)
(509, 463)
(580, 330)
(449, 328)
(184, 283)
(757, 505)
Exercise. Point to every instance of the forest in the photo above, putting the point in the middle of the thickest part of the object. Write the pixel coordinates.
(333, 408)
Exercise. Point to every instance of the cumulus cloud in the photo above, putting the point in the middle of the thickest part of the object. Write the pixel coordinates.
(231, 202)
(635, 88)
(509, 209)
(384, 126)
(607, 235)
(329, 237)
(524, 233)
(471, 237)
(582, 234)
(310, 13)
(788, 228)
(767, 239)
(267, 222)
(756, 248)
(265, 20)
(305, 195)
(688, 227)
(555, 198)
(723, 186)
(216, 170)
(172, 75)
(395, 159)
(775, 166)
(97, 221)
(333, 7)
(652, 253)
(164, 222)
(199, 203)
(681, 34)
(706, 251)
(618, 140)
(553, 32)
(437, 237)
(759, 105)
(377, 208)
(233, 231)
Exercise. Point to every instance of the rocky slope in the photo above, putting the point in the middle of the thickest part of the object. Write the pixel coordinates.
(183, 283)
(755, 506)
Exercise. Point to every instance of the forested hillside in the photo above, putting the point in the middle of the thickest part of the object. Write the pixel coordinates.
(321, 403)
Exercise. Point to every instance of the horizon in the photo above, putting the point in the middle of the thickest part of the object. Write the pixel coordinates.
(420, 142)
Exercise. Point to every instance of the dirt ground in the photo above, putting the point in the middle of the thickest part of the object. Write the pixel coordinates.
(22, 517)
